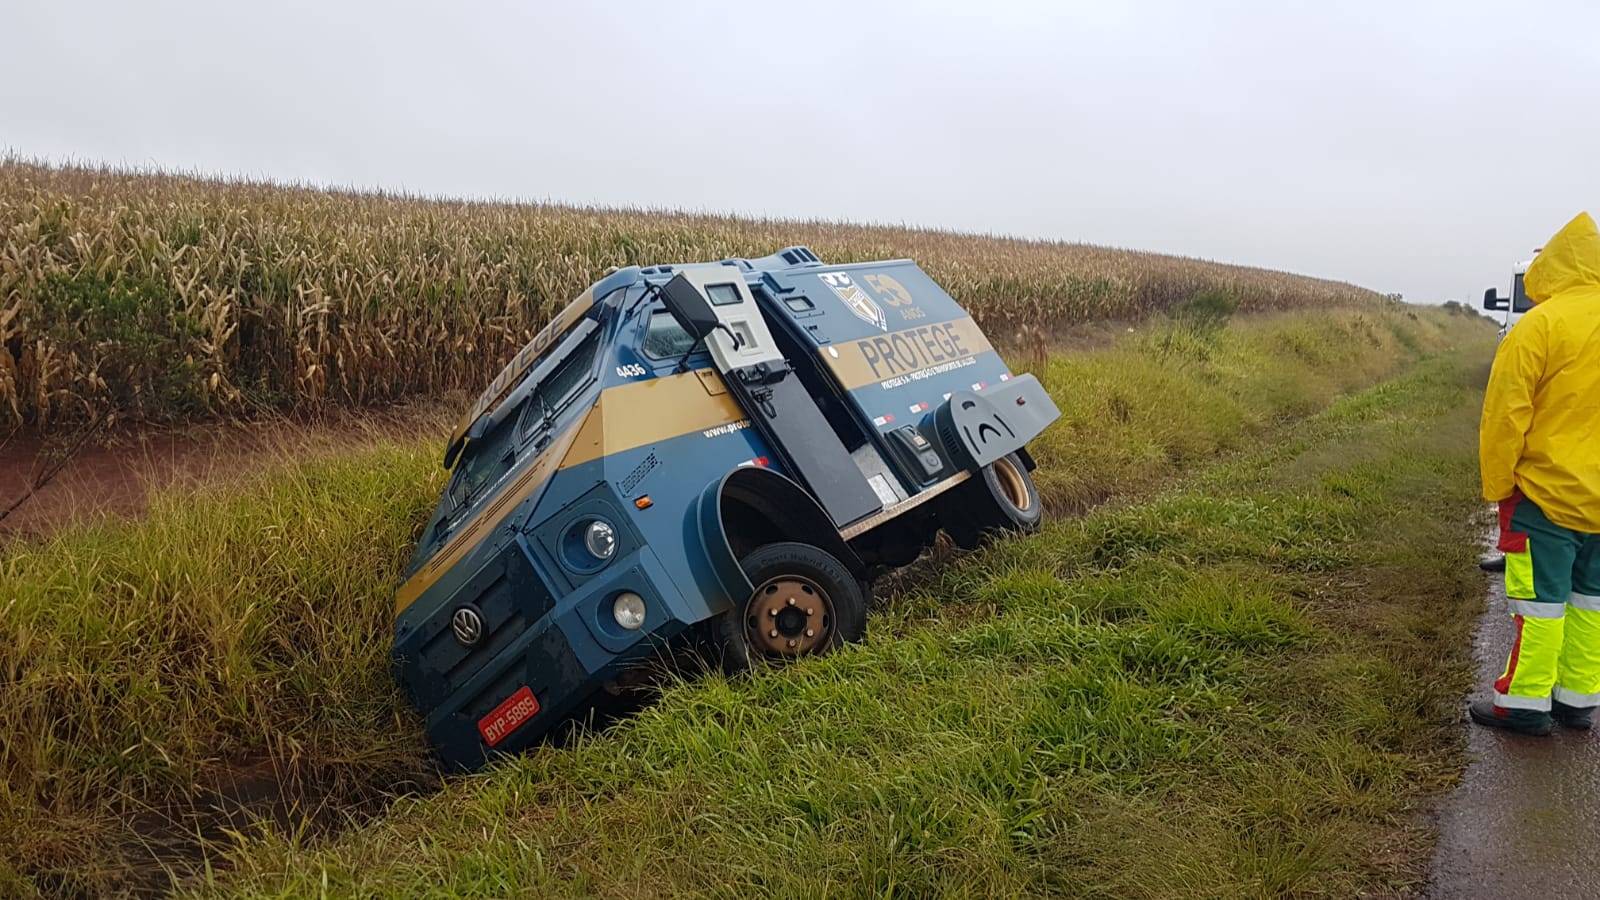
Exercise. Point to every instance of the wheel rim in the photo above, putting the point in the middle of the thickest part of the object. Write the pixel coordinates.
(1013, 485)
(789, 616)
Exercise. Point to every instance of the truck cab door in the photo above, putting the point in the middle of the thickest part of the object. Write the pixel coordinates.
(714, 303)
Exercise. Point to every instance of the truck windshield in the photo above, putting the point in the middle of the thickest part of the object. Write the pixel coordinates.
(664, 338)
(529, 417)
(549, 403)
(1519, 296)
(483, 461)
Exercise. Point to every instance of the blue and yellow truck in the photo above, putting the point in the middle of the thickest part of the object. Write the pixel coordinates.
(730, 451)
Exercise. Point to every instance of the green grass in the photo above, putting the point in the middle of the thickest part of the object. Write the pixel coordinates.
(241, 628)
(1181, 391)
(1240, 687)
(1019, 721)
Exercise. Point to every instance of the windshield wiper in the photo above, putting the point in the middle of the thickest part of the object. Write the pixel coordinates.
(542, 428)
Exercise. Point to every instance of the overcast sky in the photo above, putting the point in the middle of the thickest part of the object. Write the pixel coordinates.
(1412, 147)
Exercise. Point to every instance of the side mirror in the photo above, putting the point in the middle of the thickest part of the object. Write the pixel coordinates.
(690, 307)
(1493, 300)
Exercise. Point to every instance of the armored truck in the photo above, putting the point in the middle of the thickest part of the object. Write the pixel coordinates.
(730, 452)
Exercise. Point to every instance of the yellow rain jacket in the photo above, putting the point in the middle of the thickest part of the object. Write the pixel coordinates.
(1541, 414)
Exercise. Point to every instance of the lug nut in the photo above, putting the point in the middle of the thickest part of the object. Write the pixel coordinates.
(773, 633)
(810, 633)
(791, 645)
(791, 601)
(773, 613)
(810, 611)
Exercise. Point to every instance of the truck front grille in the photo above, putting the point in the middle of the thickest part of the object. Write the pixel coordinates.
(507, 595)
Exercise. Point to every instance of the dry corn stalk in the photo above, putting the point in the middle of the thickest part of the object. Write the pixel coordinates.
(167, 297)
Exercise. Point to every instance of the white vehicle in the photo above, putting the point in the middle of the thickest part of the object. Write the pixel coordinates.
(1514, 305)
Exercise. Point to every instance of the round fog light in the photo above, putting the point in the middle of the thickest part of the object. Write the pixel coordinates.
(628, 610)
(600, 539)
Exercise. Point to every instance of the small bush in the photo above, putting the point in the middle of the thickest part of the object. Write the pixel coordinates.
(1206, 311)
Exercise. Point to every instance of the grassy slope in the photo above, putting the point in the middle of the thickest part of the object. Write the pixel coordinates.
(248, 630)
(1239, 687)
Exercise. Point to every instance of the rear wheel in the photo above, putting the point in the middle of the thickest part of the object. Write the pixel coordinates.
(805, 602)
(999, 497)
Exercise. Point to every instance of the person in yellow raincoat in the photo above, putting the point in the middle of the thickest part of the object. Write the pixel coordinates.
(1539, 453)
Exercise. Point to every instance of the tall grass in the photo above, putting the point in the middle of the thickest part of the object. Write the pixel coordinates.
(146, 664)
(167, 297)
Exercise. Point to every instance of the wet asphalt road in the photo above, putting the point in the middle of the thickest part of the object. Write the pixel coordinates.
(1525, 820)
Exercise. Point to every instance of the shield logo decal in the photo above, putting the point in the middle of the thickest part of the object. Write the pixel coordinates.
(855, 299)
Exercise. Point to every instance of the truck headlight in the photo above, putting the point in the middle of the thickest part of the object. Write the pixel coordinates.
(600, 539)
(628, 610)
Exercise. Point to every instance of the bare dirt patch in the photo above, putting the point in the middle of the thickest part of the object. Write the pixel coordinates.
(50, 482)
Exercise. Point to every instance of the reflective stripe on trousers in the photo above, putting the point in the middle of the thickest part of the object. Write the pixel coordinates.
(1553, 591)
(1556, 654)
(1530, 673)
(1578, 671)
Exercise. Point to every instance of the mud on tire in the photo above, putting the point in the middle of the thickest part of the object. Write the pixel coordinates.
(998, 498)
(805, 602)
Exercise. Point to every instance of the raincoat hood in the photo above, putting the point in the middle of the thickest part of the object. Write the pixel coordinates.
(1570, 260)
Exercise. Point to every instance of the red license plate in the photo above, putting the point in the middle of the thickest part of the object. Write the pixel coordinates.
(518, 708)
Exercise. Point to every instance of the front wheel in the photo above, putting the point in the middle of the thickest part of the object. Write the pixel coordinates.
(805, 602)
(999, 497)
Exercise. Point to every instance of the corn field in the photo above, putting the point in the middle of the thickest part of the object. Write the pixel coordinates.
(168, 298)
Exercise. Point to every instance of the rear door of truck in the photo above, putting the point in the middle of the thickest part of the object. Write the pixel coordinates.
(892, 341)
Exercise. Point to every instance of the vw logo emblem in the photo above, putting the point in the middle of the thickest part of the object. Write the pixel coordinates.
(467, 625)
